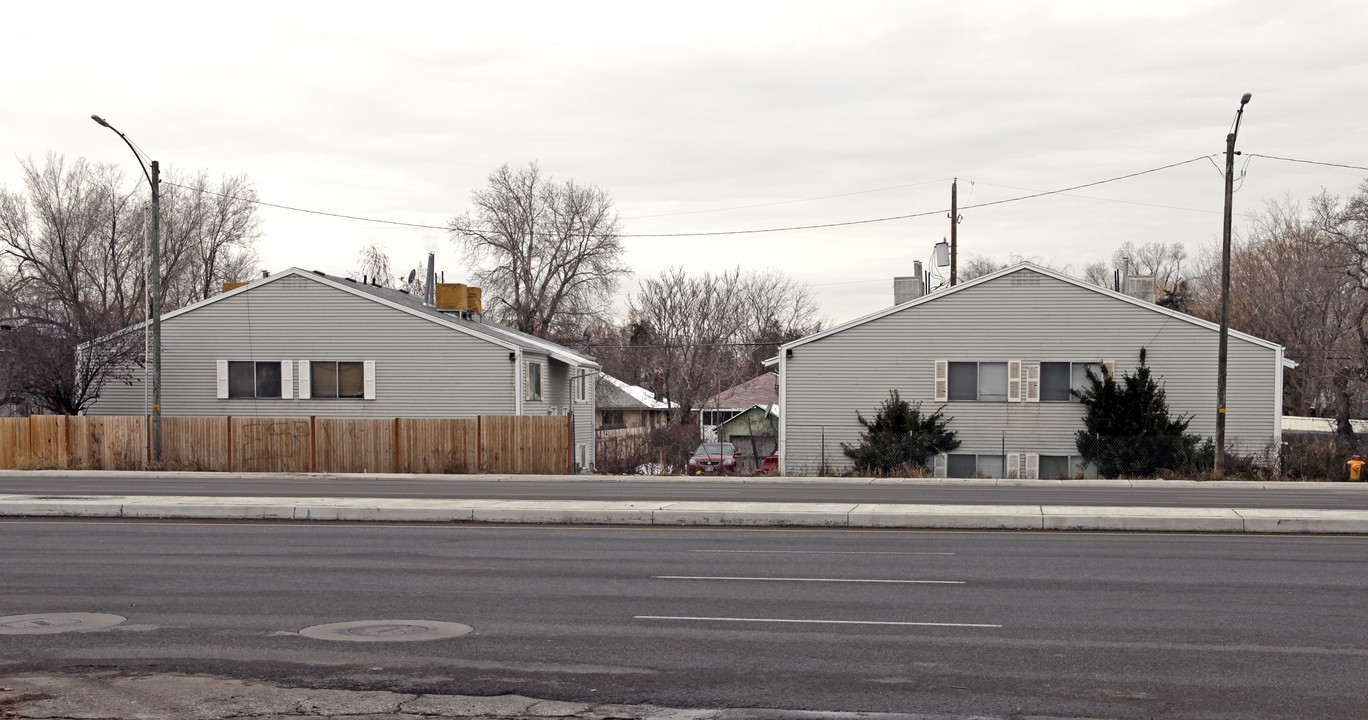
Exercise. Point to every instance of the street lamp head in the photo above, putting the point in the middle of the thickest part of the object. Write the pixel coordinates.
(100, 120)
(1245, 100)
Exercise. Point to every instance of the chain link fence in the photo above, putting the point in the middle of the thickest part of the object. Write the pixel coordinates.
(819, 451)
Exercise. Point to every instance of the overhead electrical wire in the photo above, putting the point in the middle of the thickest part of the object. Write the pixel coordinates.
(732, 232)
(1307, 162)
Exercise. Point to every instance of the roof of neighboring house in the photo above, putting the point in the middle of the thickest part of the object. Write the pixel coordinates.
(615, 393)
(413, 305)
(1297, 423)
(1032, 267)
(763, 390)
(769, 410)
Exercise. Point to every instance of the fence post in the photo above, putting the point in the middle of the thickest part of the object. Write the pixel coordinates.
(570, 436)
(66, 442)
(228, 430)
(479, 444)
(313, 446)
(30, 442)
(394, 455)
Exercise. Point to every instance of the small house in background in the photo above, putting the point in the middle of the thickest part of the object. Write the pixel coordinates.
(625, 409)
(755, 433)
(762, 391)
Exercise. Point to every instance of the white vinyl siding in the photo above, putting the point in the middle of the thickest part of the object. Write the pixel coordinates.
(828, 380)
(423, 368)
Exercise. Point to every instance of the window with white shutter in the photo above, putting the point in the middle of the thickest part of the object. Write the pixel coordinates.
(938, 466)
(1032, 466)
(1013, 465)
(1111, 368)
(1013, 381)
(1033, 382)
(370, 379)
(304, 380)
(942, 380)
(222, 366)
(286, 379)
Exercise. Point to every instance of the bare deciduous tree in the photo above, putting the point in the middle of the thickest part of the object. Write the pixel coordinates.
(373, 266)
(698, 335)
(547, 254)
(73, 270)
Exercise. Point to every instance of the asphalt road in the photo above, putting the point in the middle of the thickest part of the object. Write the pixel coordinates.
(1009, 625)
(1348, 497)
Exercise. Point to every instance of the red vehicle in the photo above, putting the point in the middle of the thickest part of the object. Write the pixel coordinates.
(770, 466)
(713, 458)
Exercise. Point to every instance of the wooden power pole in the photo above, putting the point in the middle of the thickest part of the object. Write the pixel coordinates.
(954, 224)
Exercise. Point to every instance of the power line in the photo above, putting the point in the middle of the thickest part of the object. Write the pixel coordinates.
(923, 214)
(1308, 162)
(727, 232)
(304, 210)
(788, 202)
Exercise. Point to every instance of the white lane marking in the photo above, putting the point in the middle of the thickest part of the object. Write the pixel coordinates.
(784, 579)
(816, 622)
(824, 552)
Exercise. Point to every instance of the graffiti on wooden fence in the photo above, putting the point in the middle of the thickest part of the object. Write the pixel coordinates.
(267, 441)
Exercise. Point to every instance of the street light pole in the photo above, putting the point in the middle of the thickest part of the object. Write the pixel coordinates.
(154, 283)
(1221, 362)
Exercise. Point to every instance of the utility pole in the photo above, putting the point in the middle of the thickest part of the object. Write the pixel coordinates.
(154, 287)
(954, 225)
(1221, 362)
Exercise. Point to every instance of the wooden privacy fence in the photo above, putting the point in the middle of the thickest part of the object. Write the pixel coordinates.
(487, 444)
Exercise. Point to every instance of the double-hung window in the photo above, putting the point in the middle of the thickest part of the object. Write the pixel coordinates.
(982, 381)
(581, 385)
(534, 380)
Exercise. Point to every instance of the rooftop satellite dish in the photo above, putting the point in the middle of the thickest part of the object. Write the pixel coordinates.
(412, 274)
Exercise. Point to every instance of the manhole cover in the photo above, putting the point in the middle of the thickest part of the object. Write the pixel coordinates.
(386, 630)
(48, 623)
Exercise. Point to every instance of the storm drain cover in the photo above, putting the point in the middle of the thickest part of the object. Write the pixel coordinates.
(48, 623)
(386, 630)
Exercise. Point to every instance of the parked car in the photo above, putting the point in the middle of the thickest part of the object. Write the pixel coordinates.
(713, 458)
(770, 466)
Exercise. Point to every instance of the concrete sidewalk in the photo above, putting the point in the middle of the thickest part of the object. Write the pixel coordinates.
(577, 512)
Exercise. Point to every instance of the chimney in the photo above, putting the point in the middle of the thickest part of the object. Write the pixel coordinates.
(430, 287)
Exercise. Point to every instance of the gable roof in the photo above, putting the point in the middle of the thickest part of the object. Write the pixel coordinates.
(404, 302)
(615, 393)
(1032, 267)
(762, 390)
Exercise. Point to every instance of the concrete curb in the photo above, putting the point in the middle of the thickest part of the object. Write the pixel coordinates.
(740, 480)
(719, 514)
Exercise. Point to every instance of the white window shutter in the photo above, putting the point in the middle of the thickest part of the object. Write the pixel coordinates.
(304, 379)
(1014, 465)
(369, 368)
(1111, 368)
(1033, 382)
(222, 378)
(942, 380)
(938, 466)
(1013, 381)
(286, 379)
(1032, 466)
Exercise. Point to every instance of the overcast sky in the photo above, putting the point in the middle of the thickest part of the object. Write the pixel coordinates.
(705, 117)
